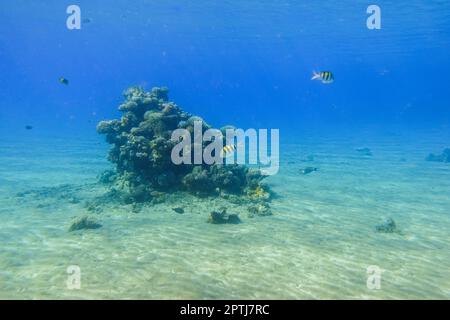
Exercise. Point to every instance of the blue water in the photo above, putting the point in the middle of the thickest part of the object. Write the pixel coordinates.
(234, 62)
(246, 63)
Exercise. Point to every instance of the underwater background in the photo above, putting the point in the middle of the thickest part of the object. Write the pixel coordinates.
(246, 63)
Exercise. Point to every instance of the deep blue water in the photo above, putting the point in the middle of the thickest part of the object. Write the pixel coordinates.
(243, 62)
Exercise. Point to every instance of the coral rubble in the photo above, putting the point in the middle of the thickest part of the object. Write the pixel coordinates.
(141, 151)
(221, 217)
(387, 226)
(261, 209)
(84, 222)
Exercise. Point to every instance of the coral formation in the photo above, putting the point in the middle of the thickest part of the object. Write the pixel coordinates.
(142, 147)
(387, 226)
(443, 157)
(84, 222)
(260, 209)
(221, 217)
(259, 193)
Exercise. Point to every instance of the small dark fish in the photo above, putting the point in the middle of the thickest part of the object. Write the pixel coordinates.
(364, 151)
(308, 158)
(308, 170)
(178, 210)
(63, 80)
(28, 127)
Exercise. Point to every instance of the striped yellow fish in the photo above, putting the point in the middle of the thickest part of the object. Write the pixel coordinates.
(324, 76)
(227, 150)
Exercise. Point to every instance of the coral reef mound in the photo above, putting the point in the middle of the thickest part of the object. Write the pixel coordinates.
(141, 151)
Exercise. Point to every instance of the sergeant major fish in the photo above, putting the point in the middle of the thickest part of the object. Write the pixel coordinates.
(324, 76)
(229, 149)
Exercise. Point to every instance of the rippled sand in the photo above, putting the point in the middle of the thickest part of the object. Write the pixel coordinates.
(318, 244)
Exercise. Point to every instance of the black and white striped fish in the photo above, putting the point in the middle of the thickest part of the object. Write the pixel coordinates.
(229, 149)
(324, 76)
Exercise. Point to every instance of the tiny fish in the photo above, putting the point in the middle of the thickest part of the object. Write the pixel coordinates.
(364, 151)
(324, 76)
(308, 170)
(28, 127)
(229, 149)
(178, 210)
(63, 80)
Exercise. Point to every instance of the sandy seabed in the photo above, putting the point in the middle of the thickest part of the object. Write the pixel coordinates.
(317, 244)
